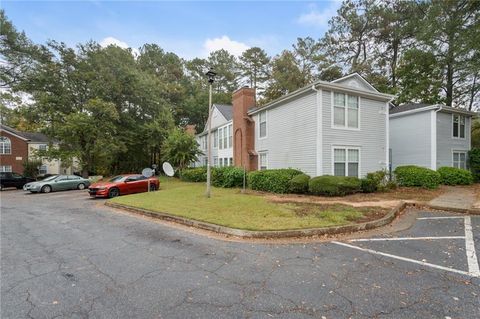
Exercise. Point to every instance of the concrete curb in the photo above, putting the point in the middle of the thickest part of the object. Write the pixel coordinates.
(468, 211)
(388, 218)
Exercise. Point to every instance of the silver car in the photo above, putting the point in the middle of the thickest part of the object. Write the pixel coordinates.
(57, 183)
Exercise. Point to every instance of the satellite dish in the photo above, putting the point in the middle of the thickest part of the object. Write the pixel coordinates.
(168, 169)
(147, 172)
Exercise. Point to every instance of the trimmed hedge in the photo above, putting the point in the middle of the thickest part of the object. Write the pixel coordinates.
(198, 174)
(455, 176)
(373, 182)
(272, 180)
(416, 176)
(227, 177)
(299, 184)
(334, 185)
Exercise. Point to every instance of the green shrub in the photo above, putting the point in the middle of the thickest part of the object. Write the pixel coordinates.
(227, 176)
(198, 174)
(376, 181)
(299, 184)
(334, 185)
(272, 180)
(416, 176)
(474, 163)
(455, 176)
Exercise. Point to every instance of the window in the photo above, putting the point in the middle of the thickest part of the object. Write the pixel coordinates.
(215, 139)
(230, 136)
(42, 170)
(5, 168)
(5, 145)
(262, 119)
(458, 126)
(231, 161)
(345, 110)
(42, 147)
(346, 162)
(263, 161)
(204, 142)
(225, 137)
(460, 160)
(220, 138)
(225, 161)
(215, 161)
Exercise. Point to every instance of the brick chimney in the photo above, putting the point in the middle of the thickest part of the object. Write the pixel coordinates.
(244, 129)
(190, 129)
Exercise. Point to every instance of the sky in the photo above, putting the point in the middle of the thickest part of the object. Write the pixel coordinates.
(190, 29)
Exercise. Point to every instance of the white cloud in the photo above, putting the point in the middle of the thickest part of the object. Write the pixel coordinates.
(114, 41)
(234, 47)
(319, 18)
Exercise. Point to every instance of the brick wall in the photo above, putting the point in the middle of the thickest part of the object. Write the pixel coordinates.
(19, 153)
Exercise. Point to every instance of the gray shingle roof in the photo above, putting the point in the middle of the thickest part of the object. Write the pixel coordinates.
(226, 110)
(30, 136)
(407, 107)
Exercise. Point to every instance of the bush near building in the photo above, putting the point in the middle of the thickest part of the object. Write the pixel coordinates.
(227, 177)
(299, 184)
(334, 185)
(272, 180)
(474, 163)
(455, 176)
(198, 174)
(416, 176)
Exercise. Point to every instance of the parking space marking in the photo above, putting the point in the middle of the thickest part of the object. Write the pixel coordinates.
(472, 260)
(406, 238)
(440, 217)
(423, 263)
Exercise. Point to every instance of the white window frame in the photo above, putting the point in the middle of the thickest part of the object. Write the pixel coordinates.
(3, 149)
(332, 109)
(346, 148)
(464, 126)
(42, 169)
(230, 136)
(220, 138)
(230, 161)
(259, 124)
(260, 154)
(215, 139)
(459, 152)
(6, 168)
(44, 146)
(215, 161)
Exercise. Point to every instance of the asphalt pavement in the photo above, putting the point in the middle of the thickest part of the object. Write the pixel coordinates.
(64, 255)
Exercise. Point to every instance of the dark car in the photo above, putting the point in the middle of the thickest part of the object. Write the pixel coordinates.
(123, 185)
(8, 179)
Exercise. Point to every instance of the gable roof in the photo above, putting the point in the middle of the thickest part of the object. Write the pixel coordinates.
(226, 110)
(410, 108)
(27, 136)
(407, 107)
(357, 77)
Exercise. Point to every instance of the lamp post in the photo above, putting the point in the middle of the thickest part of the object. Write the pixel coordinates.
(211, 77)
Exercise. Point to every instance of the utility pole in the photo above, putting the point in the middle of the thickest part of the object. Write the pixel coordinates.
(211, 77)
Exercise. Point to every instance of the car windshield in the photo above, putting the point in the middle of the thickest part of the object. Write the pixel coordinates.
(117, 178)
(49, 178)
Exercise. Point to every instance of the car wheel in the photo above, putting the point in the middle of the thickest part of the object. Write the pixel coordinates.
(114, 192)
(46, 189)
(153, 187)
(81, 186)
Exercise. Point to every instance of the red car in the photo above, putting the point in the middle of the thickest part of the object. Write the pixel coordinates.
(123, 185)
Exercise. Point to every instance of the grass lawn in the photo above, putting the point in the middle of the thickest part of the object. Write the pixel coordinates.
(229, 207)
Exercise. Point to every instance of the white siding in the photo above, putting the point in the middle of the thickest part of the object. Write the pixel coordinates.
(291, 134)
(371, 138)
(410, 139)
(446, 144)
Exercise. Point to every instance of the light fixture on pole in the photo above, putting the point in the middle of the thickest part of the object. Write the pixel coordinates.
(211, 78)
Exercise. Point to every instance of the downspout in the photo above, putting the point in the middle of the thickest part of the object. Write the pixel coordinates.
(319, 137)
(388, 163)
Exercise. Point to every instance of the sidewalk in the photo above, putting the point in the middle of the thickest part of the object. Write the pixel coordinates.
(456, 198)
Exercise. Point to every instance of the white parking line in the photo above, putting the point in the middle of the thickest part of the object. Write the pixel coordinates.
(470, 248)
(440, 217)
(406, 238)
(409, 260)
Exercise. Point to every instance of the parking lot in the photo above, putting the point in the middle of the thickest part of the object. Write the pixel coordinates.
(65, 255)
